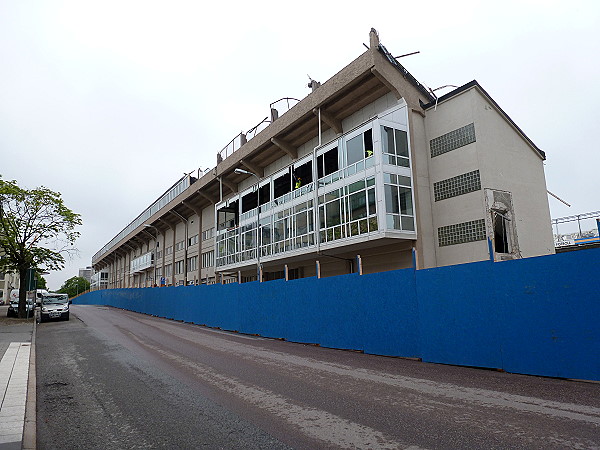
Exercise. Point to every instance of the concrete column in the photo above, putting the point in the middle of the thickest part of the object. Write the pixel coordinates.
(198, 213)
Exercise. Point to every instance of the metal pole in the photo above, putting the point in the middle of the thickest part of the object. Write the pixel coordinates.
(258, 236)
(258, 249)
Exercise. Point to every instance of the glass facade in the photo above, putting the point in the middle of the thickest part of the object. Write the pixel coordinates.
(325, 198)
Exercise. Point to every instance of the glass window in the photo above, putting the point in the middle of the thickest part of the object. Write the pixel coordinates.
(391, 199)
(327, 163)
(357, 186)
(401, 143)
(395, 146)
(282, 185)
(405, 201)
(404, 181)
(372, 203)
(303, 175)
(333, 216)
(265, 231)
(332, 195)
(301, 224)
(359, 147)
(278, 231)
(358, 206)
(228, 216)
(265, 194)
(354, 150)
(208, 259)
(408, 223)
(249, 201)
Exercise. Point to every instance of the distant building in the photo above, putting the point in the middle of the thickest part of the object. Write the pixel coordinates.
(86, 273)
(99, 280)
(8, 282)
(370, 167)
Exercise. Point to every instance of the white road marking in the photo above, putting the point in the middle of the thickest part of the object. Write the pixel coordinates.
(483, 397)
(315, 423)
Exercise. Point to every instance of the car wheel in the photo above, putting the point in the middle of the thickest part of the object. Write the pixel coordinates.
(67, 318)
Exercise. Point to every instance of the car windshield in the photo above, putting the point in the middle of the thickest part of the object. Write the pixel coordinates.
(58, 299)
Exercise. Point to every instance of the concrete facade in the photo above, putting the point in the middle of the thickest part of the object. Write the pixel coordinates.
(367, 170)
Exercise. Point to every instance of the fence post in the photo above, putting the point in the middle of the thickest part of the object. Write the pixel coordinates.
(359, 268)
(491, 249)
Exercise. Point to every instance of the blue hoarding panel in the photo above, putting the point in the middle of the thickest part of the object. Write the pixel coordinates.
(536, 316)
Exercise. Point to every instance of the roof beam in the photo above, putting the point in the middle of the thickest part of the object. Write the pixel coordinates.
(167, 223)
(254, 169)
(289, 149)
(387, 84)
(208, 197)
(331, 121)
(197, 211)
(229, 184)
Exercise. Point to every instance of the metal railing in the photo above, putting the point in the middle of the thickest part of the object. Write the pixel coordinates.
(238, 141)
(563, 239)
(167, 197)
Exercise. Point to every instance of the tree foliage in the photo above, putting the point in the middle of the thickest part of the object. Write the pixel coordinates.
(74, 286)
(37, 230)
(41, 282)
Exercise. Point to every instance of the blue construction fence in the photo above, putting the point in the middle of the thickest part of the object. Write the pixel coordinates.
(538, 316)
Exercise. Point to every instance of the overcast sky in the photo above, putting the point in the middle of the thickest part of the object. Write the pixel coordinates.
(110, 102)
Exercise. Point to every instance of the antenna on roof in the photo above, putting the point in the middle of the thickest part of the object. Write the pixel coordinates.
(407, 54)
(558, 198)
(437, 89)
(313, 84)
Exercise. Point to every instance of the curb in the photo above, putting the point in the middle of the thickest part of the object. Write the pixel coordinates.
(30, 425)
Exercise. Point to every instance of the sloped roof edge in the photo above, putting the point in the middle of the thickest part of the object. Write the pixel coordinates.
(475, 84)
(406, 74)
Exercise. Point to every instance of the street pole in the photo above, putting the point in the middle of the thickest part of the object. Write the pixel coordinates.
(258, 236)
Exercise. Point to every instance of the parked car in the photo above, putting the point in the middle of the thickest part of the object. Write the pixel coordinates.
(54, 306)
(13, 308)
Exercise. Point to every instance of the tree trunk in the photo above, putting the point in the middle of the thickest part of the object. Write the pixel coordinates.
(22, 293)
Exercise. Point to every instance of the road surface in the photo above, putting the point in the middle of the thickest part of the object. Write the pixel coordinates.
(115, 379)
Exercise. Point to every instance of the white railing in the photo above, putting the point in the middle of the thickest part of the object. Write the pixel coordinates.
(167, 197)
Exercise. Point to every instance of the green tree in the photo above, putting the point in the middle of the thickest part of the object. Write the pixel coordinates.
(41, 282)
(37, 230)
(74, 286)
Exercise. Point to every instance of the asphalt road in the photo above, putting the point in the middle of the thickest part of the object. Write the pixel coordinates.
(115, 379)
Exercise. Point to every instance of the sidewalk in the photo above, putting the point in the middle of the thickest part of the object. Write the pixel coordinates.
(17, 382)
